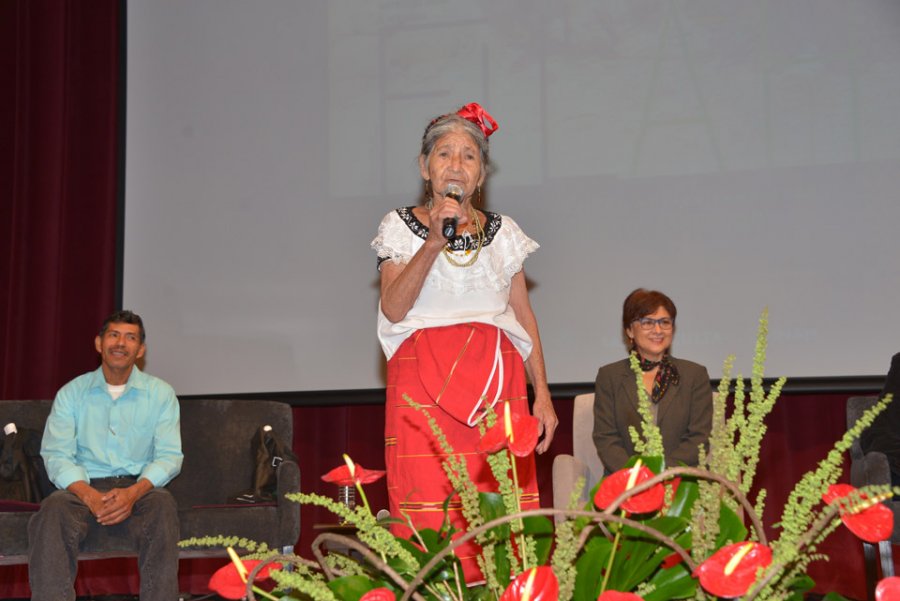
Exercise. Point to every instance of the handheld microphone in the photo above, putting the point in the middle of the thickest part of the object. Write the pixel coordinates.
(455, 192)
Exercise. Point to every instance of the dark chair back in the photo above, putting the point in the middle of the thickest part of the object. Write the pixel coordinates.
(215, 439)
(872, 468)
(25, 414)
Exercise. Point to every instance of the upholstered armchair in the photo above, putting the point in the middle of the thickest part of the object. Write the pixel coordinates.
(584, 460)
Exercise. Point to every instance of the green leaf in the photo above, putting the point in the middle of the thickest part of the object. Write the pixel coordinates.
(434, 541)
(420, 555)
(802, 583)
(799, 586)
(540, 529)
(687, 493)
(502, 565)
(479, 593)
(351, 588)
(441, 572)
(674, 583)
(492, 507)
(832, 596)
(731, 528)
(589, 569)
(640, 555)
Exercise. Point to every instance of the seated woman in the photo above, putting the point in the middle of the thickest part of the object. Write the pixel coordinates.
(680, 391)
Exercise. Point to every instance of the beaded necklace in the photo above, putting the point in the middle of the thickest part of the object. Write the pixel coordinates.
(479, 243)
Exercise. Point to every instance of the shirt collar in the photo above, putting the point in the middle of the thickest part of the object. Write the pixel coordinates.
(137, 379)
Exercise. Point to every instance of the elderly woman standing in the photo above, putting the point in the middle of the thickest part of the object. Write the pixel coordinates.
(456, 326)
(679, 390)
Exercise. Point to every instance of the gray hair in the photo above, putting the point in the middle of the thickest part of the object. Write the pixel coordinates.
(453, 122)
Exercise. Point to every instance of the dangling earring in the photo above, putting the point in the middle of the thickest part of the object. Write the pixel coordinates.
(478, 196)
(429, 201)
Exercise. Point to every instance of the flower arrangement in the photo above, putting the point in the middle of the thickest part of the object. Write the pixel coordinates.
(651, 532)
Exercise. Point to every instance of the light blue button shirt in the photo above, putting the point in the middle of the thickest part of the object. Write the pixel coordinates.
(90, 435)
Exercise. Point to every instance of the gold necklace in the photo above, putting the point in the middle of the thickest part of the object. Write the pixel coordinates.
(479, 243)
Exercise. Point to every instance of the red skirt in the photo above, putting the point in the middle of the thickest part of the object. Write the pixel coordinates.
(451, 365)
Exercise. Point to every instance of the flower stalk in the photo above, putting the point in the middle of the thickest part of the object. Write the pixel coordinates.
(510, 434)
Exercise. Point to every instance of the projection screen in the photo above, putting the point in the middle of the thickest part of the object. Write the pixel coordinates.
(737, 155)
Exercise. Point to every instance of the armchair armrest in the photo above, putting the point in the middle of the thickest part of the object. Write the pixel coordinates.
(566, 471)
(288, 475)
(871, 468)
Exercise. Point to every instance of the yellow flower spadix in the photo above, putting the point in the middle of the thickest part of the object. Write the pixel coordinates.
(529, 585)
(507, 422)
(732, 564)
(350, 465)
(632, 476)
(242, 571)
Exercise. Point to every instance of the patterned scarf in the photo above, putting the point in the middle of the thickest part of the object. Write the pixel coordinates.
(667, 374)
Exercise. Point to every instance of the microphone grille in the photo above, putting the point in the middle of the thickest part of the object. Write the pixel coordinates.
(454, 191)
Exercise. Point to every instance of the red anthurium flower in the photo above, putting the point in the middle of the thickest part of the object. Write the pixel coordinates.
(350, 474)
(517, 432)
(871, 521)
(731, 570)
(617, 596)
(379, 594)
(888, 589)
(537, 584)
(228, 583)
(626, 479)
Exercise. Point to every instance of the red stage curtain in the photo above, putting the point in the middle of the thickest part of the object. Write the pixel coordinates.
(60, 62)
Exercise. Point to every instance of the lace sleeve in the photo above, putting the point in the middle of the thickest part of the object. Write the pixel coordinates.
(515, 246)
(394, 240)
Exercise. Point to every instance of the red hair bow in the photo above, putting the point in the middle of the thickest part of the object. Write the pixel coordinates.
(475, 113)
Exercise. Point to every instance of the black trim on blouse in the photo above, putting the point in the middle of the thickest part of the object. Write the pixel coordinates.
(492, 224)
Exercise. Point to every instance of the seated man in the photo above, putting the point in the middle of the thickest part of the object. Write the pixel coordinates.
(884, 433)
(112, 440)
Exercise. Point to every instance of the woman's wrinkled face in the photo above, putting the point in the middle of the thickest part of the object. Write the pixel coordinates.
(652, 343)
(455, 159)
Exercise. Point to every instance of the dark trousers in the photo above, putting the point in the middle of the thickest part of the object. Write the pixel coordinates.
(57, 530)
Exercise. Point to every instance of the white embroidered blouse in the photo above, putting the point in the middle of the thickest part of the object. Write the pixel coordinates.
(451, 294)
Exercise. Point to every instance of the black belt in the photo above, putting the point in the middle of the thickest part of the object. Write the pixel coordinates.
(113, 478)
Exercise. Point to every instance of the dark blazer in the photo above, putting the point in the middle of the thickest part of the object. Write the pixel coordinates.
(884, 433)
(684, 416)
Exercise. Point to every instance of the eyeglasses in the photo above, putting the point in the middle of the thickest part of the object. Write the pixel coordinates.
(664, 323)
